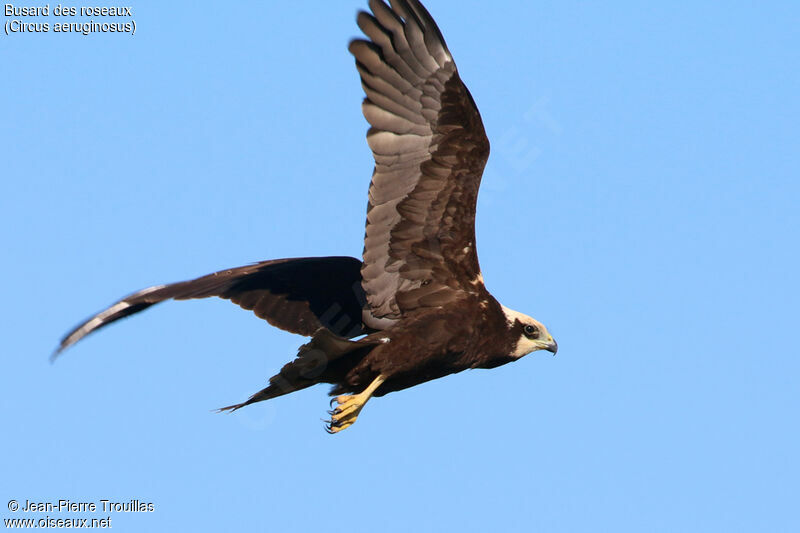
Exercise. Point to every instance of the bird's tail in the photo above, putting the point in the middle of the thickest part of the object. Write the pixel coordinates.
(312, 365)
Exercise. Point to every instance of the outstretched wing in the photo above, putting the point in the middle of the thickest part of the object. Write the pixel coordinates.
(297, 295)
(430, 149)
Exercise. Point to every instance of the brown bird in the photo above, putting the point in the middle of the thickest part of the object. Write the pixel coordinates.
(417, 301)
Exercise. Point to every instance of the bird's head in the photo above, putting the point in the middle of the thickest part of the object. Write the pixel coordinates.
(531, 334)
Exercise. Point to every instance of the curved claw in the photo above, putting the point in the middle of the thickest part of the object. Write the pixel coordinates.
(350, 405)
(330, 424)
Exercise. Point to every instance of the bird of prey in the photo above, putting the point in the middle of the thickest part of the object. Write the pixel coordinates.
(415, 308)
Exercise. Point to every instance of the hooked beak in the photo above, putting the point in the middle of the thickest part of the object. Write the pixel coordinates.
(552, 346)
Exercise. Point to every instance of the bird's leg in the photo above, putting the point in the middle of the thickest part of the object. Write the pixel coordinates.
(349, 406)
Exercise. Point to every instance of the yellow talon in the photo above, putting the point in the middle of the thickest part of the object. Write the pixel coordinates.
(349, 406)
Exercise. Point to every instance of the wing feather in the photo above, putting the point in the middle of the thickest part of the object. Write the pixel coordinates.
(298, 295)
(430, 149)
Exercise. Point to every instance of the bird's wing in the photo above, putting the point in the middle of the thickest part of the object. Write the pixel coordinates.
(430, 149)
(298, 295)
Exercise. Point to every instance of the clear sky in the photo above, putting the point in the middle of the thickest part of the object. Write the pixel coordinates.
(641, 200)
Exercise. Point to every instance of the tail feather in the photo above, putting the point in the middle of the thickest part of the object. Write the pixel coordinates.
(311, 366)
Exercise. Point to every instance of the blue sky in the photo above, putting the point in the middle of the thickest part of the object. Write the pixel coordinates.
(641, 200)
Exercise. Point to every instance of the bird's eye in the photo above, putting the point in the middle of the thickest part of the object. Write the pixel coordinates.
(530, 331)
